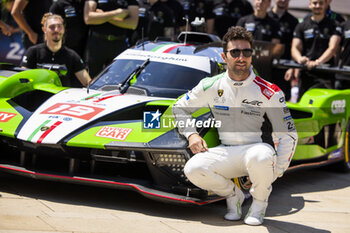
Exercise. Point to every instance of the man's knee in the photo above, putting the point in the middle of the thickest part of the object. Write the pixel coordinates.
(194, 169)
(260, 156)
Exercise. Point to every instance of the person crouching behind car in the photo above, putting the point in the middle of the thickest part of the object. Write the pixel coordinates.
(251, 111)
(53, 52)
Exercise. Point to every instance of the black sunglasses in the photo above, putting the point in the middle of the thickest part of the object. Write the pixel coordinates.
(237, 52)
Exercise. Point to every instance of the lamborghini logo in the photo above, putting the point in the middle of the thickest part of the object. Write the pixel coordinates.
(44, 128)
(220, 92)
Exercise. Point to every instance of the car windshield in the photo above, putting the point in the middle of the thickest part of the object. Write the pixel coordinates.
(155, 76)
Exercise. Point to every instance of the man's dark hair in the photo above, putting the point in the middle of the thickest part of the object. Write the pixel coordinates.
(236, 33)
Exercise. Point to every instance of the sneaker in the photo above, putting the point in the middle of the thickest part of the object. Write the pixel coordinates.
(256, 213)
(234, 205)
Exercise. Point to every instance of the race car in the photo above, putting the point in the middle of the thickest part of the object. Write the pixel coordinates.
(119, 132)
(322, 120)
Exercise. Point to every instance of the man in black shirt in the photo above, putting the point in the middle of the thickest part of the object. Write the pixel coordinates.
(109, 22)
(200, 9)
(159, 21)
(72, 11)
(345, 55)
(178, 14)
(228, 12)
(316, 41)
(53, 52)
(28, 14)
(287, 23)
(343, 81)
(260, 24)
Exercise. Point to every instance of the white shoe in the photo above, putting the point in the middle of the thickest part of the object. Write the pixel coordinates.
(234, 205)
(256, 213)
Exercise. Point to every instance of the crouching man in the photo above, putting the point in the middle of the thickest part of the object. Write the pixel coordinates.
(252, 112)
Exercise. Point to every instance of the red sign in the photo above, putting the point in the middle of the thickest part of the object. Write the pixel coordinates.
(6, 116)
(73, 110)
(113, 132)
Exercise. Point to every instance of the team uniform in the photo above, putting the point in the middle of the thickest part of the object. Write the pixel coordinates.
(33, 12)
(287, 23)
(178, 13)
(106, 41)
(156, 20)
(40, 54)
(72, 11)
(264, 29)
(315, 38)
(253, 114)
(316, 35)
(227, 14)
(343, 81)
(198, 8)
(345, 55)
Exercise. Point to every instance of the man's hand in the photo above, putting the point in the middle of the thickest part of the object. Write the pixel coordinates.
(312, 64)
(121, 14)
(303, 60)
(289, 75)
(6, 29)
(33, 37)
(197, 144)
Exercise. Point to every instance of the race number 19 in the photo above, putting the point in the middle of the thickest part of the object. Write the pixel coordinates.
(73, 110)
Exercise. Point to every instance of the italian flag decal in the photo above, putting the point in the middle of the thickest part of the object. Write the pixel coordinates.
(166, 48)
(39, 134)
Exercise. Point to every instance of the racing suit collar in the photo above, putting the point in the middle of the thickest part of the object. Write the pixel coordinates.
(243, 83)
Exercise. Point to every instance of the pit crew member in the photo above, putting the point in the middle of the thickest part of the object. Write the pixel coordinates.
(316, 41)
(53, 52)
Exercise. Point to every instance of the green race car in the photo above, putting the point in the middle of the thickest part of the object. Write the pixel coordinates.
(120, 133)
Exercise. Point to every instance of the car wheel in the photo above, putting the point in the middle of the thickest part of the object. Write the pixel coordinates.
(344, 165)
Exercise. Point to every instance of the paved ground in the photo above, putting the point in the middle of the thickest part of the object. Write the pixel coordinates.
(305, 201)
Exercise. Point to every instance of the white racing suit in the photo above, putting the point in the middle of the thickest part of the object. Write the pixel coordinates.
(257, 133)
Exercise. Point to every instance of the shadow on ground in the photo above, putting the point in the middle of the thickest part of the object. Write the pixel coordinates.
(283, 201)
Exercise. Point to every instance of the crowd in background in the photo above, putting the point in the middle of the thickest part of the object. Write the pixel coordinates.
(98, 30)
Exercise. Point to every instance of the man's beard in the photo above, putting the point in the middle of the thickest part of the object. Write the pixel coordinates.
(318, 12)
(282, 7)
(241, 72)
